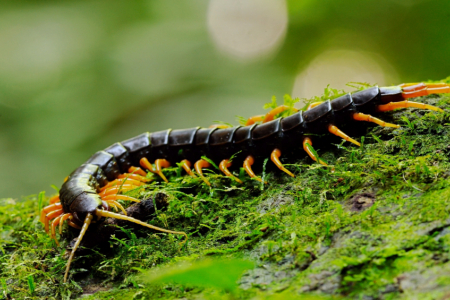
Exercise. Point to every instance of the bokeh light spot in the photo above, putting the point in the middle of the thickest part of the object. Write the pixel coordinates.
(247, 28)
(337, 67)
(37, 46)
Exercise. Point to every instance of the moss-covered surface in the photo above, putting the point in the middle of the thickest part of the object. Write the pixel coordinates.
(373, 225)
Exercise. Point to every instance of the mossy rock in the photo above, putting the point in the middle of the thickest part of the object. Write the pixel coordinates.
(372, 225)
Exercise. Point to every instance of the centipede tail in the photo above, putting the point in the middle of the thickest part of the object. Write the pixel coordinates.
(93, 189)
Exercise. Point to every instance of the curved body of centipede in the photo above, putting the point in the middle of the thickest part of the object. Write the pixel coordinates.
(95, 186)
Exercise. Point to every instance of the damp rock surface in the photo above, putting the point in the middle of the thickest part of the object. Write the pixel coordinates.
(373, 224)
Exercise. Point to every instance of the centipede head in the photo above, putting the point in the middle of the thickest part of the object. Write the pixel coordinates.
(100, 212)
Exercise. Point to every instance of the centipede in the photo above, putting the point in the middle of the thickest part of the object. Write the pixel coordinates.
(92, 191)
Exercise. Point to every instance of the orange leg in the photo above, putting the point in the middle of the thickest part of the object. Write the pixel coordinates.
(334, 130)
(369, 118)
(278, 110)
(254, 119)
(312, 105)
(159, 164)
(275, 157)
(54, 199)
(411, 90)
(186, 165)
(119, 197)
(74, 225)
(133, 176)
(50, 216)
(55, 223)
(63, 218)
(269, 116)
(117, 189)
(48, 209)
(248, 162)
(220, 126)
(224, 165)
(137, 170)
(116, 205)
(307, 141)
(404, 104)
(119, 182)
(198, 166)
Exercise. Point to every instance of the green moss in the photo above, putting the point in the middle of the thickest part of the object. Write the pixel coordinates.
(307, 235)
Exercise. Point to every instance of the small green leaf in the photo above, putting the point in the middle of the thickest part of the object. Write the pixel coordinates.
(241, 120)
(222, 274)
(234, 155)
(31, 285)
(272, 104)
(41, 199)
(55, 188)
(377, 139)
(223, 123)
(263, 177)
(315, 153)
(411, 146)
(211, 162)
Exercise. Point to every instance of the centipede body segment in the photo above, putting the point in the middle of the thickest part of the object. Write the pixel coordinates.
(92, 190)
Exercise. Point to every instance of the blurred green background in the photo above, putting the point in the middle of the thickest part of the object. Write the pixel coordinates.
(76, 77)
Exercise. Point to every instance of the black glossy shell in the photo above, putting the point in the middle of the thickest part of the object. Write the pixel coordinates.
(79, 193)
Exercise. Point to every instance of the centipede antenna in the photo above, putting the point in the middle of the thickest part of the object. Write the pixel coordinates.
(405, 104)
(275, 157)
(103, 213)
(224, 165)
(198, 166)
(307, 146)
(86, 224)
(369, 118)
(334, 130)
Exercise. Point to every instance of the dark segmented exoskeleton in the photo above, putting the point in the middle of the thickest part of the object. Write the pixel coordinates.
(96, 185)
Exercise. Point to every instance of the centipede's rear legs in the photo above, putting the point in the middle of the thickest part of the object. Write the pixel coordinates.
(409, 90)
(412, 90)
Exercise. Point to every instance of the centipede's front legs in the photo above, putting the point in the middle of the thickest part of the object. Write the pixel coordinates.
(109, 194)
